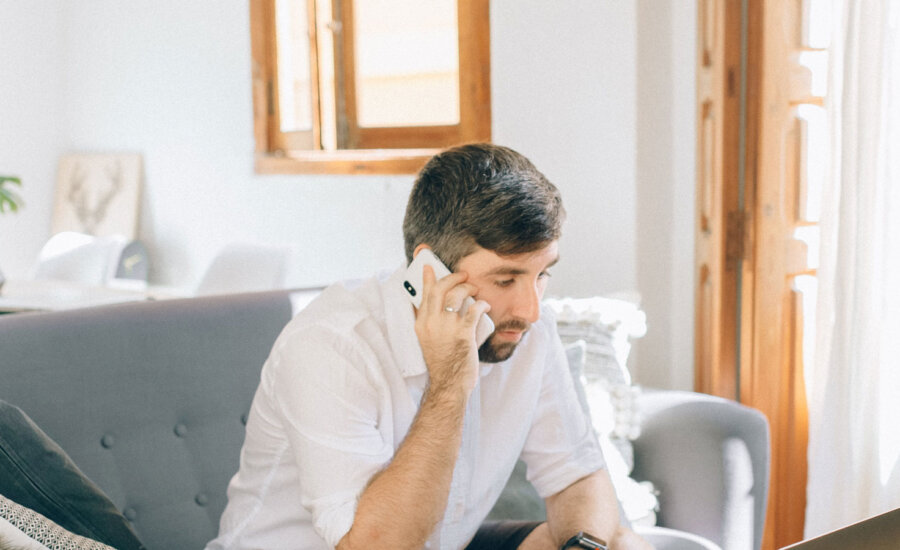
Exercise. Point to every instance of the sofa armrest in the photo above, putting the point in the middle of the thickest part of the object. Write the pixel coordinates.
(709, 459)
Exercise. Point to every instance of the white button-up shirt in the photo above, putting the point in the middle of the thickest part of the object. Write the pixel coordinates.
(337, 396)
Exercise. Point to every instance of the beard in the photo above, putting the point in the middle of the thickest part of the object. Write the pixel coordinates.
(492, 351)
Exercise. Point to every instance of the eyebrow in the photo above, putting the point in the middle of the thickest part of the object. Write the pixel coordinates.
(508, 270)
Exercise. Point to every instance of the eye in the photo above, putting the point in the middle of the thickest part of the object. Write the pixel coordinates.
(545, 275)
(504, 283)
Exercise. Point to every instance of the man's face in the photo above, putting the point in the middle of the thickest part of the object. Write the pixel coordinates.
(513, 286)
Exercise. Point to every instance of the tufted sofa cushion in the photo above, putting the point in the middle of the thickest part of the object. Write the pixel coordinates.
(159, 391)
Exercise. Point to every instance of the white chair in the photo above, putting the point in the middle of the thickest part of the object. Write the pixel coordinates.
(80, 258)
(243, 267)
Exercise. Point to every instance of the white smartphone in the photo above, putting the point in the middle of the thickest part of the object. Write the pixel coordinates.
(413, 285)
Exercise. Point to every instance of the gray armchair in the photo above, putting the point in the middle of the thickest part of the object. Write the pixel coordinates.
(709, 459)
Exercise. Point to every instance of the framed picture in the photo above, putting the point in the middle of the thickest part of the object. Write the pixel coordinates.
(98, 194)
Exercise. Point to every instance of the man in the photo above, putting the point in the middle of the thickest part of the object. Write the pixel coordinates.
(376, 425)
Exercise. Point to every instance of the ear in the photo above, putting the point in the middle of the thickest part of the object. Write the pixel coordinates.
(419, 248)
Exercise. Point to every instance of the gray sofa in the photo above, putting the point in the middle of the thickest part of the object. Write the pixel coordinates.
(149, 401)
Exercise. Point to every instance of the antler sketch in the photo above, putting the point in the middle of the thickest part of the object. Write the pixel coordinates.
(91, 213)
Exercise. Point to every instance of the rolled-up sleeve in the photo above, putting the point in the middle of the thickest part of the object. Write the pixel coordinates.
(561, 446)
(331, 406)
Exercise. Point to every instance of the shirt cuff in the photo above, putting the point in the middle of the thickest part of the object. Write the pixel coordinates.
(332, 520)
(566, 470)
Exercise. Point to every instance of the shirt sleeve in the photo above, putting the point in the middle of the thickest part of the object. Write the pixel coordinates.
(329, 401)
(561, 446)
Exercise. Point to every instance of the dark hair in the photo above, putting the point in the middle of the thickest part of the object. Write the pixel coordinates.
(481, 195)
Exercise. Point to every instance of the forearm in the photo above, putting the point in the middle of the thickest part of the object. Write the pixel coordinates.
(588, 505)
(402, 504)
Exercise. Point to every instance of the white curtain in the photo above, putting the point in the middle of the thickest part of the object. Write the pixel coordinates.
(854, 382)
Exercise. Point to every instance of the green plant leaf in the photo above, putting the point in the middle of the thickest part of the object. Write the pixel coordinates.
(8, 199)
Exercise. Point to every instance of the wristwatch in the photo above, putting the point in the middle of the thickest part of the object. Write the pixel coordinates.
(584, 540)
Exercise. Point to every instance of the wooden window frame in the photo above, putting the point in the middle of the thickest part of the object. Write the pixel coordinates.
(402, 150)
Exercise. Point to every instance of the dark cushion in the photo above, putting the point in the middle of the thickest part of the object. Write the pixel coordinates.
(37, 474)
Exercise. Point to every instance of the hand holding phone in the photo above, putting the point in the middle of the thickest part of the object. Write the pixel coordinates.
(414, 288)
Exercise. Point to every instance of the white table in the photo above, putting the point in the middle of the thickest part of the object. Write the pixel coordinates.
(48, 295)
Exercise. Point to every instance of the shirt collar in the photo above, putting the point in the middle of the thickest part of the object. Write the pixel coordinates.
(401, 321)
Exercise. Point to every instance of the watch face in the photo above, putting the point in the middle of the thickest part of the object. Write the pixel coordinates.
(583, 540)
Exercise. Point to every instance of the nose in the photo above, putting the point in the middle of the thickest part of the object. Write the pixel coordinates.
(528, 304)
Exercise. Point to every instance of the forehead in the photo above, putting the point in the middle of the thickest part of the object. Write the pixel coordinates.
(487, 262)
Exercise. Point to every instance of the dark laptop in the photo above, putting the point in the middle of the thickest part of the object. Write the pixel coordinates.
(877, 533)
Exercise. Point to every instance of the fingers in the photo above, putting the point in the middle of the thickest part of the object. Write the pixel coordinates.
(449, 291)
(448, 338)
(456, 298)
(450, 298)
(475, 311)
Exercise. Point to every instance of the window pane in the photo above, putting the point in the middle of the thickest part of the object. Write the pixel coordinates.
(407, 62)
(815, 159)
(809, 235)
(294, 92)
(808, 287)
(327, 84)
(817, 63)
(817, 23)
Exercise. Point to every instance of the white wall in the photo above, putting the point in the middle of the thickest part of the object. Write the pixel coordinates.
(666, 88)
(177, 89)
(31, 122)
(171, 80)
(564, 94)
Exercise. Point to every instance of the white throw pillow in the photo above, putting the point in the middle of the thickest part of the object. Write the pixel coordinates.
(597, 333)
(21, 527)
